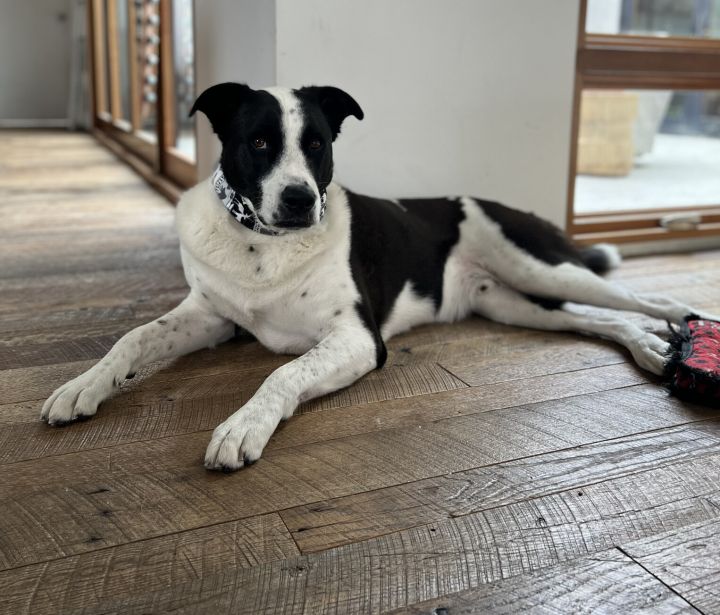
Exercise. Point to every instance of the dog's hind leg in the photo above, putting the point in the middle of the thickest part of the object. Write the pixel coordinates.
(507, 306)
(575, 283)
(189, 327)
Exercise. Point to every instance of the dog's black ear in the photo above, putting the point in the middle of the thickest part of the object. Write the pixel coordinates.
(220, 103)
(335, 104)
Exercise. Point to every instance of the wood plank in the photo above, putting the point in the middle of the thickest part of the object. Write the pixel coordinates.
(425, 563)
(477, 365)
(336, 422)
(687, 560)
(323, 525)
(608, 582)
(121, 260)
(178, 400)
(167, 405)
(94, 288)
(137, 567)
(159, 487)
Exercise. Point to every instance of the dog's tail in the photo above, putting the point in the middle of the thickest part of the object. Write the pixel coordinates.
(601, 257)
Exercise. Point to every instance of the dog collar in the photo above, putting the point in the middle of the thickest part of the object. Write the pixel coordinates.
(241, 208)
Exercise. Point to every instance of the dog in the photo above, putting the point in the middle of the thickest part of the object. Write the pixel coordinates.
(270, 244)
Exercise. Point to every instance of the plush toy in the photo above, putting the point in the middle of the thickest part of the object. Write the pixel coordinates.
(693, 367)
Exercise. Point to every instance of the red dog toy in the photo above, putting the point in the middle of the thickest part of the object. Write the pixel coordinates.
(693, 369)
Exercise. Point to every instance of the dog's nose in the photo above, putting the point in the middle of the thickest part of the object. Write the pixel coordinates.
(298, 198)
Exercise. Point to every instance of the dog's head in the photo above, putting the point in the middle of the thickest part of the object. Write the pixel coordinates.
(277, 145)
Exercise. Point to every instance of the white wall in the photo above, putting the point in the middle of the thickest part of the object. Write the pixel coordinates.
(234, 41)
(460, 96)
(35, 45)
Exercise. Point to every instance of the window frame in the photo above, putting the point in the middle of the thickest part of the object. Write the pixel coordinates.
(621, 61)
(157, 160)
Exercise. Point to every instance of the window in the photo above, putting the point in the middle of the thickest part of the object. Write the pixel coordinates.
(143, 84)
(646, 127)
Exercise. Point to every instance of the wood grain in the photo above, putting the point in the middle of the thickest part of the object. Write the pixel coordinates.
(425, 563)
(159, 486)
(138, 567)
(687, 561)
(169, 403)
(608, 582)
(323, 525)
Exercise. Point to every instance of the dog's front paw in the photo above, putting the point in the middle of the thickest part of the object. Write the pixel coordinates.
(240, 440)
(76, 399)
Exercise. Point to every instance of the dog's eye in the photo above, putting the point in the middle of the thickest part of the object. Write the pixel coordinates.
(315, 144)
(259, 143)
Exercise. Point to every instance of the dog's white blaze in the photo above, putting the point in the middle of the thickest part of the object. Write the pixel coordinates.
(291, 167)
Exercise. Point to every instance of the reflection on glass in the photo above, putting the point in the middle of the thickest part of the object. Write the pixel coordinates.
(647, 149)
(694, 18)
(123, 56)
(147, 31)
(182, 17)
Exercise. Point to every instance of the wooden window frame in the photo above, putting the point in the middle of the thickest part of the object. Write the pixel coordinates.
(619, 61)
(156, 160)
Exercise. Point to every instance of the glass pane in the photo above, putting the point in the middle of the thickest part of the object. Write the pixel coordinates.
(147, 31)
(694, 18)
(106, 55)
(183, 69)
(121, 6)
(647, 149)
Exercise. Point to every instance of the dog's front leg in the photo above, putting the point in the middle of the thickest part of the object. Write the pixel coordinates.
(341, 358)
(192, 325)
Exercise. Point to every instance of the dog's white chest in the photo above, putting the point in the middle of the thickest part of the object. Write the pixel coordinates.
(288, 294)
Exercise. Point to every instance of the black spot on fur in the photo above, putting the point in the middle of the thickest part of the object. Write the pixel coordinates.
(99, 490)
(106, 513)
(94, 539)
(162, 322)
(258, 269)
(251, 248)
(130, 376)
(338, 312)
(545, 303)
(303, 294)
(596, 259)
(483, 288)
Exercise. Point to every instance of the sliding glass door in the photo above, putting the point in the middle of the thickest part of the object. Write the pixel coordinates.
(646, 126)
(143, 83)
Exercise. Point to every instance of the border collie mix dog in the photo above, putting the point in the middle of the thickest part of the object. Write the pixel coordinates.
(313, 269)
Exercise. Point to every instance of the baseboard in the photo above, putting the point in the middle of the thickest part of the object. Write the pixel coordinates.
(57, 123)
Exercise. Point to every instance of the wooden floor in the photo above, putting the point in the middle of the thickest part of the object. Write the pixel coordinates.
(486, 469)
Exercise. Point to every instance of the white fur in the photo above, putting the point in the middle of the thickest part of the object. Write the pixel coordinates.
(292, 167)
(409, 310)
(296, 294)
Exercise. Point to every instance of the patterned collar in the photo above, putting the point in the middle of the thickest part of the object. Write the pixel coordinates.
(241, 208)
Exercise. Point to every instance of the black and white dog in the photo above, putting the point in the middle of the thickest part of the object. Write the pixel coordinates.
(310, 268)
